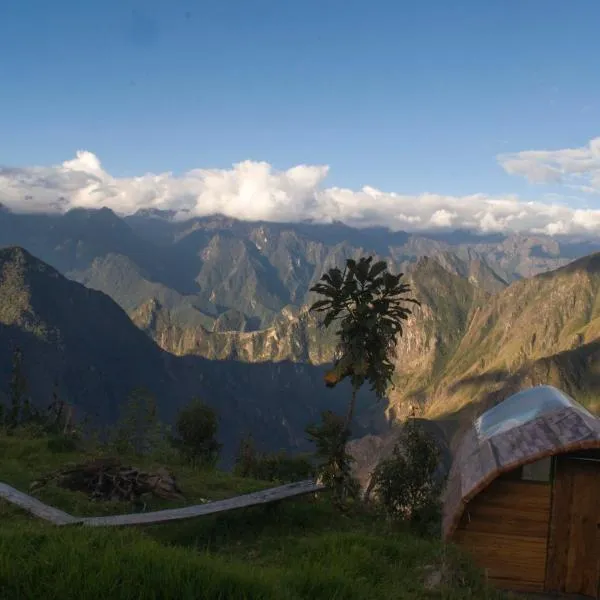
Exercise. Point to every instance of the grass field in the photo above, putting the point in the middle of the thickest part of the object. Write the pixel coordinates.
(299, 549)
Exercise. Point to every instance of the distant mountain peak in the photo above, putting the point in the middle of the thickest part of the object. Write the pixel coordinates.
(156, 213)
(19, 255)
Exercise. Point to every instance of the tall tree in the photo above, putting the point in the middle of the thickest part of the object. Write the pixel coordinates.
(369, 304)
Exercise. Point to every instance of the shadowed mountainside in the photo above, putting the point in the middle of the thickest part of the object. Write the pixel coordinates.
(86, 343)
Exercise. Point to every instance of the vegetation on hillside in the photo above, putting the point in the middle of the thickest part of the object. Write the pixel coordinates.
(543, 330)
(369, 305)
(301, 549)
(279, 467)
(405, 483)
(306, 548)
(196, 430)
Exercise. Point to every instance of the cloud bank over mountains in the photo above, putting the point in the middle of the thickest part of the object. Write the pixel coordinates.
(255, 191)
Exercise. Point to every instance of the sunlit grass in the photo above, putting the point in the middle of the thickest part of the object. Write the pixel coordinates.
(297, 549)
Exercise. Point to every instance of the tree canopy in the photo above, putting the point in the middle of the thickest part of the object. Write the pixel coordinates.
(369, 304)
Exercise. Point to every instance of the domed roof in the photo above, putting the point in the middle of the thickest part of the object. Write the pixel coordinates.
(527, 426)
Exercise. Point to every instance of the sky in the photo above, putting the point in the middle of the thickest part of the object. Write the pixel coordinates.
(411, 114)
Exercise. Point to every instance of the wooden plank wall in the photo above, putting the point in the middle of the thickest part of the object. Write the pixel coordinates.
(505, 528)
(574, 540)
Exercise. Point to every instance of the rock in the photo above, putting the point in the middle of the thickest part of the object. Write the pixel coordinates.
(433, 577)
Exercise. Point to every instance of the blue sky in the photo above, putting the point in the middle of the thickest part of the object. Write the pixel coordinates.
(411, 97)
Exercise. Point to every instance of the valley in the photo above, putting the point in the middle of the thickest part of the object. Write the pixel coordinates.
(219, 308)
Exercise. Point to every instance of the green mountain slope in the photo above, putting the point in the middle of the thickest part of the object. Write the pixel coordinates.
(540, 330)
(68, 332)
(467, 350)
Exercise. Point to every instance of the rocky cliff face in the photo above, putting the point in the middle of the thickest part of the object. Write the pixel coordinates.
(541, 330)
(294, 336)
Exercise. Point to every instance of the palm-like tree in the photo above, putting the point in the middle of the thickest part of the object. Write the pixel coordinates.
(369, 304)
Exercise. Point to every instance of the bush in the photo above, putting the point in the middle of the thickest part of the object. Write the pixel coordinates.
(335, 464)
(63, 443)
(139, 431)
(247, 458)
(404, 484)
(196, 434)
(279, 467)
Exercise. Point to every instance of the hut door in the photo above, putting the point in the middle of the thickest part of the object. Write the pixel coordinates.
(574, 544)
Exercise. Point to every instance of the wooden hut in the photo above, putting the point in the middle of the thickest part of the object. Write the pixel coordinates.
(523, 494)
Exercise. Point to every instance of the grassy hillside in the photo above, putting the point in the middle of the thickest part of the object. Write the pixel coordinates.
(543, 330)
(298, 549)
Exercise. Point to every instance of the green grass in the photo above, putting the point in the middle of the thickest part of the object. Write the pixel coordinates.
(297, 549)
(24, 460)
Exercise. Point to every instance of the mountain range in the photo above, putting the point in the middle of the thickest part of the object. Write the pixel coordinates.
(80, 343)
(218, 307)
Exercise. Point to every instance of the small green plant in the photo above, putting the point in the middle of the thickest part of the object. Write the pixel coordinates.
(60, 443)
(196, 431)
(335, 463)
(139, 430)
(59, 414)
(279, 467)
(20, 411)
(246, 458)
(404, 484)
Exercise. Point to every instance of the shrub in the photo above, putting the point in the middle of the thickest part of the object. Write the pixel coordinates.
(196, 434)
(63, 443)
(279, 467)
(247, 457)
(405, 484)
(335, 464)
(139, 430)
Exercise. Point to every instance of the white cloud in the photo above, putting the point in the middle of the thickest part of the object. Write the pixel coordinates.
(256, 191)
(578, 168)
